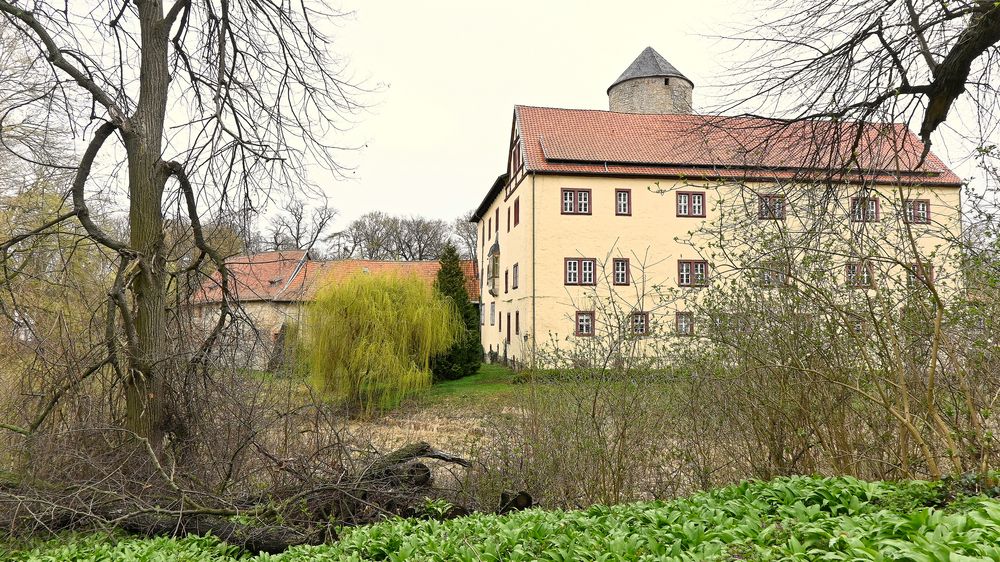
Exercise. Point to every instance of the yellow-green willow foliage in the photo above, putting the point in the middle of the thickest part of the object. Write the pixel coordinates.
(371, 338)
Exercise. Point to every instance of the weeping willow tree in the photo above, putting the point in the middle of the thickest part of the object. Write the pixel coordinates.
(371, 339)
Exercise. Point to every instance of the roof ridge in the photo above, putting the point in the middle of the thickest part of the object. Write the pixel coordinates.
(341, 260)
(747, 116)
(565, 140)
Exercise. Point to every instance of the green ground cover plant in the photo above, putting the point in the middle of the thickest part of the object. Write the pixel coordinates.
(795, 518)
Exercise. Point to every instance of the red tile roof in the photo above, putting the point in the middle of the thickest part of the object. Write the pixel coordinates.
(254, 277)
(591, 142)
(287, 277)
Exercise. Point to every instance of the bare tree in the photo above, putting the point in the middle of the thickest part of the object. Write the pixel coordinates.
(464, 232)
(33, 137)
(297, 227)
(417, 238)
(370, 236)
(837, 73)
(252, 88)
(874, 61)
(380, 236)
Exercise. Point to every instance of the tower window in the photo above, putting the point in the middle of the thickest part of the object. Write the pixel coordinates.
(666, 81)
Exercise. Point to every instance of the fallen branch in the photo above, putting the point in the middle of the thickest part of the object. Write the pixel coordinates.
(408, 453)
(271, 539)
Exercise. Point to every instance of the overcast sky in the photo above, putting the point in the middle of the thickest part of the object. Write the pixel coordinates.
(448, 74)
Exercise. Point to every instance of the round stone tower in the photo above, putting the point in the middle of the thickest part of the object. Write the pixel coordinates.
(651, 85)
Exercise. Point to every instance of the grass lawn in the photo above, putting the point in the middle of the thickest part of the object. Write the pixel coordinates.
(491, 380)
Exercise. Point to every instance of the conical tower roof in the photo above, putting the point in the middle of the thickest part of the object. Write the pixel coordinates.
(649, 64)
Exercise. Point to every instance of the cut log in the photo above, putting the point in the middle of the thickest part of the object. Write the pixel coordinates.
(408, 453)
(271, 539)
(517, 502)
(413, 473)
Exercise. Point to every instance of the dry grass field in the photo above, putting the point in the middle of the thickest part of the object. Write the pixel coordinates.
(450, 415)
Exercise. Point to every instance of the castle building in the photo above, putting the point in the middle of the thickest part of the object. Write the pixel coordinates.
(649, 205)
(270, 293)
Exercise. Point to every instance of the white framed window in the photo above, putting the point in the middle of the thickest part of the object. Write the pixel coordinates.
(623, 202)
(572, 272)
(691, 273)
(771, 207)
(919, 274)
(685, 324)
(569, 201)
(697, 205)
(640, 323)
(584, 323)
(493, 313)
(575, 201)
(859, 274)
(917, 211)
(690, 204)
(700, 272)
(579, 271)
(774, 275)
(864, 209)
(683, 204)
(587, 268)
(514, 284)
(620, 271)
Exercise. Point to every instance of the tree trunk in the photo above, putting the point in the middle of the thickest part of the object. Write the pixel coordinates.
(253, 539)
(144, 389)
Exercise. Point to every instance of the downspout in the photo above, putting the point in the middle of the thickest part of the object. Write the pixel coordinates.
(534, 275)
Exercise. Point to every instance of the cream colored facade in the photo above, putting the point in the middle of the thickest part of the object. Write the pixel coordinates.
(542, 307)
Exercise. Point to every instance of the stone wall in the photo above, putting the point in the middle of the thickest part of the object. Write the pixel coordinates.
(250, 341)
(654, 95)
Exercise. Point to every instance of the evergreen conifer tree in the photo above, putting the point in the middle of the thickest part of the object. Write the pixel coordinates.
(465, 355)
